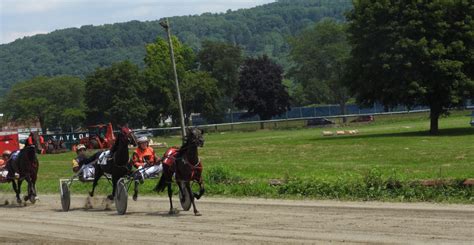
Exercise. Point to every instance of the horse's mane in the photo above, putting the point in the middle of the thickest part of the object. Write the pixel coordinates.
(120, 150)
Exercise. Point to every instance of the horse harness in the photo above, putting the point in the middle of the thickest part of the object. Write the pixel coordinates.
(196, 169)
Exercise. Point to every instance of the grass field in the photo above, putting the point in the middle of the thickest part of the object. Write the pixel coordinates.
(243, 163)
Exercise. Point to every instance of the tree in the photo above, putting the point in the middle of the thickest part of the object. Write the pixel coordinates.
(199, 90)
(320, 55)
(200, 94)
(159, 77)
(46, 100)
(261, 90)
(412, 53)
(222, 61)
(114, 94)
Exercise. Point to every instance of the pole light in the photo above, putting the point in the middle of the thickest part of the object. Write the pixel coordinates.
(166, 25)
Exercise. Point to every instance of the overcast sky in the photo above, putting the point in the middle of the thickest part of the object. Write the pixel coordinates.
(19, 18)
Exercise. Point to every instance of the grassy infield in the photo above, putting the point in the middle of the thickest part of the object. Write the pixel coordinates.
(383, 162)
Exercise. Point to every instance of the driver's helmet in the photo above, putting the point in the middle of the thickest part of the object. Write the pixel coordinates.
(81, 147)
(6, 154)
(142, 139)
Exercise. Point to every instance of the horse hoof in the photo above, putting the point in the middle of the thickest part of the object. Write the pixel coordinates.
(197, 214)
(110, 197)
(197, 196)
(91, 194)
(7, 202)
(18, 200)
(173, 211)
(88, 206)
(107, 207)
(135, 197)
(26, 198)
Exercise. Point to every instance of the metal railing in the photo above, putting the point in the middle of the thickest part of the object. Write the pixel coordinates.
(271, 123)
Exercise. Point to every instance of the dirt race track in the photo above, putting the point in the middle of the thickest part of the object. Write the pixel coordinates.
(237, 221)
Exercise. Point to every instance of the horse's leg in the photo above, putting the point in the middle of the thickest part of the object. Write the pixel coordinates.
(17, 191)
(135, 193)
(20, 181)
(29, 192)
(34, 185)
(33, 190)
(202, 190)
(98, 173)
(34, 177)
(115, 179)
(170, 196)
(188, 186)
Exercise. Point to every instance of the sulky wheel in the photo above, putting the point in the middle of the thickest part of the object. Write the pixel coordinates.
(65, 197)
(184, 196)
(121, 197)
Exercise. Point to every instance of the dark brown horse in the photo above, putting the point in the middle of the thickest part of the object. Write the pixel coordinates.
(186, 165)
(26, 165)
(118, 165)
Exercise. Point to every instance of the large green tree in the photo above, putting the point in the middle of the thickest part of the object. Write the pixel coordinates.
(200, 94)
(114, 94)
(198, 89)
(159, 78)
(412, 53)
(320, 56)
(261, 89)
(52, 101)
(222, 60)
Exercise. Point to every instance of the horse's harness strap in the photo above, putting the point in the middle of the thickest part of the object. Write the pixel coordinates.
(192, 165)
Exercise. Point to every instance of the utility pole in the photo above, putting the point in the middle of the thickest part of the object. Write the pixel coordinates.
(165, 24)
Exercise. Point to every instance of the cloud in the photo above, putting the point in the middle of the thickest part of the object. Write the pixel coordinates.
(29, 6)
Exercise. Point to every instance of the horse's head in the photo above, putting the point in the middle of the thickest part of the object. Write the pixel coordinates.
(36, 143)
(128, 136)
(120, 148)
(195, 136)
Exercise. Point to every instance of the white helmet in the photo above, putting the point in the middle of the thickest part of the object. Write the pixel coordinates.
(81, 147)
(142, 139)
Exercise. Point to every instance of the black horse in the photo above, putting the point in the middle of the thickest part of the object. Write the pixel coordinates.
(26, 165)
(118, 165)
(186, 165)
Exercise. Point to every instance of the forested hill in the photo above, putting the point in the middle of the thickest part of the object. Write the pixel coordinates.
(78, 51)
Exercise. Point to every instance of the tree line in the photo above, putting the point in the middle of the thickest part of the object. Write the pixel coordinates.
(79, 51)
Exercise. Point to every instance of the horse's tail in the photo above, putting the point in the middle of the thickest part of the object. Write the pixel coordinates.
(161, 185)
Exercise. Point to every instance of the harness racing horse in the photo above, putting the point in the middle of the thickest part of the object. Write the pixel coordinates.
(26, 165)
(118, 165)
(186, 165)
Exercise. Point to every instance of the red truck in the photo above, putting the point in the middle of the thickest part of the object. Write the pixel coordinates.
(9, 141)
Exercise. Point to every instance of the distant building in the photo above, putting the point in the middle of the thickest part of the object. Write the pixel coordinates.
(20, 127)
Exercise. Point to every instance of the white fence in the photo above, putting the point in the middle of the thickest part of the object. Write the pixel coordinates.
(270, 123)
